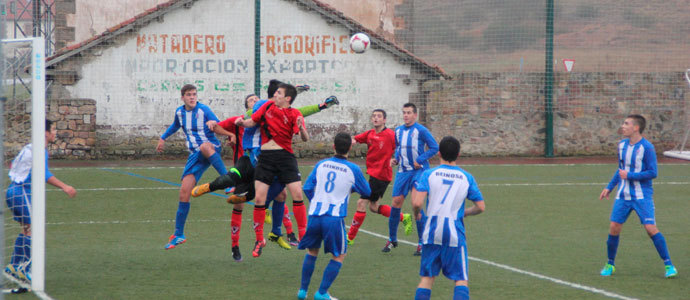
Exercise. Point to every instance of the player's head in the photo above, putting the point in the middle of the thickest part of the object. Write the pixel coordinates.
(286, 92)
(188, 92)
(250, 100)
(449, 147)
(273, 87)
(378, 117)
(409, 113)
(632, 124)
(51, 131)
(342, 143)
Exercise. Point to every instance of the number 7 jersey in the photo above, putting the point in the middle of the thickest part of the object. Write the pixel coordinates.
(330, 184)
(447, 188)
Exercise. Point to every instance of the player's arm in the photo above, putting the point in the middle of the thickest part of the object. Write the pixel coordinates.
(474, 195)
(310, 183)
(302, 129)
(54, 181)
(476, 209)
(421, 187)
(361, 185)
(360, 138)
(312, 109)
(650, 167)
(612, 184)
(396, 156)
(171, 129)
(431, 143)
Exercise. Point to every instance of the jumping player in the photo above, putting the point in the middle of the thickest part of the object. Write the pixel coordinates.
(328, 188)
(636, 169)
(381, 146)
(411, 139)
(18, 198)
(444, 246)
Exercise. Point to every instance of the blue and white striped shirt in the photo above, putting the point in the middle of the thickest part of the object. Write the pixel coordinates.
(409, 146)
(447, 188)
(193, 123)
(251, 138)
(20, 172)
(640, 162)
(330, 184)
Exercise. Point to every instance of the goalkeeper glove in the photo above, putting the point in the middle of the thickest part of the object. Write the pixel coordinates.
(330, 101)
(302, 88)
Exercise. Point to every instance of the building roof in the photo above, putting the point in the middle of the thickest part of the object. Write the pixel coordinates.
(324, 9)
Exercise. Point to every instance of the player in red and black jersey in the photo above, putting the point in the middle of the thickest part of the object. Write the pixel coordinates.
(381, 147)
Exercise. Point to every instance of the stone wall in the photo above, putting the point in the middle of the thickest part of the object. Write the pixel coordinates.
(499, 114)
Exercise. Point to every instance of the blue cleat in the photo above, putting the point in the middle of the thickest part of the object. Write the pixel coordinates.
(174, 240)
(671, 271)
(326, 296)
(608, 270)
(302, 294)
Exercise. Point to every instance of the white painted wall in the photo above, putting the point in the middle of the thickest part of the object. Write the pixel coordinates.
(136, 81)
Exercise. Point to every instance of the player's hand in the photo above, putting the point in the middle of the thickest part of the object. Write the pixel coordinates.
(232, 140)
(394, 162)
(70, 191)
(604, 194)
(623, 173)
(239, 121)
(160, 146)
(417, 166)
(354, 141)
(330, 101)
(300, 122)
(211, 124)
(302, 88)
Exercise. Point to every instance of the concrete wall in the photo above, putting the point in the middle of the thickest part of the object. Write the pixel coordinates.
(135, 78)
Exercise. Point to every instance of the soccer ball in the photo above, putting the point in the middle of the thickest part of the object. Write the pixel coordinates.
(359, 42)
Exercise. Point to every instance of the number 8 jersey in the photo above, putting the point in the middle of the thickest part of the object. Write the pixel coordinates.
(447, 188)
(330, 184)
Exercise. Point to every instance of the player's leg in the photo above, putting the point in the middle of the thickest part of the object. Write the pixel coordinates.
(259, 216)
(183, 207)
(401, 186)
(242, 172)
(312, 242)
(454, 266)
(334, 243)
(423, 291)
(276, 235)
(429, 268)
(619, 214)
(298, 208)
(212, 154)
(358, 219)
(292, 239)
(645, 210)
(235, 226)
(17, 199)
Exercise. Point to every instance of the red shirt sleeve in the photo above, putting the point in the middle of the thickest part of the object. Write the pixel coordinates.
(229, 124)
(256, 116)
(362, 137)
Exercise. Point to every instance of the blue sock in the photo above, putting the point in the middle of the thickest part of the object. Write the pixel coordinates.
(181, 218)
(660, 244)
(461, 292)
(422, 294)
(329, 275)
(612, 248)
(277, 213)
(393, 222)
(307, 270)
(18, 254)
(217, 163)
(27, 252)
(420, 226)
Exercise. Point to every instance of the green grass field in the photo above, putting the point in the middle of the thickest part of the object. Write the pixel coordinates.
(542, 237)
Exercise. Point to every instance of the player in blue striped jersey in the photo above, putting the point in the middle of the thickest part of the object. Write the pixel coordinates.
(328, 188)
(411, 140)
(636, 169)
(443, 240)
(204, 148)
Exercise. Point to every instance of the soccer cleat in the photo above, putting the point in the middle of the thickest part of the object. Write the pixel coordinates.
(23, 274)
(671, 271)
(230, 190)
(407, 223)
(292, 239)
(12, 271)
(258, 245)
(326, 296)
(302, 88)
(199, 190)
(236, 255)
(419, 250)
(173, 241)
(350, 242)
(237, 198)
(608, 270)
(302, 294)
(268, 219)
(279, 240)
(389, 244)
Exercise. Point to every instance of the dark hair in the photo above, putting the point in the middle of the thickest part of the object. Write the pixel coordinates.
(290, 91)
(246, 106)
(273, 86)
(639, 121)
(342, 143)
(383, 112)
(414, 107)
(187, 87)
(49, 124)
(449, 148)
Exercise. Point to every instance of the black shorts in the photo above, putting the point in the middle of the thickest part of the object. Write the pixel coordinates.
(277, 163)
(378, 188)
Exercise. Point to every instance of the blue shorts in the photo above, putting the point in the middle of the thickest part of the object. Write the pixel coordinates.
(18, 198)
(253, 154)
(330, 230)
(453, 261)
(644, 209)
(404, 181)
(197, 165)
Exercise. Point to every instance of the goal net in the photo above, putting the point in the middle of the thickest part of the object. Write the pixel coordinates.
(681, 151)
(22, 149)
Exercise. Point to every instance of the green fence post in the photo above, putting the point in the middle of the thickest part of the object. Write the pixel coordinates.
(257, 47)
(548, 81)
